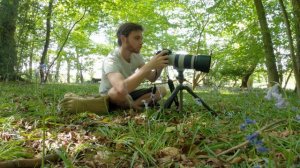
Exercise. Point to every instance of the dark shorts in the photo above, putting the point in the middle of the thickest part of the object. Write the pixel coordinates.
(140, 92)
(134, 95)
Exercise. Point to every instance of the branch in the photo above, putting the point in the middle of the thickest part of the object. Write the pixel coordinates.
(245, 143)
(29, 163)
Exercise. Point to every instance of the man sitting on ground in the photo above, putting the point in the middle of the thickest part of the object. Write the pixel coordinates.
(123, 71)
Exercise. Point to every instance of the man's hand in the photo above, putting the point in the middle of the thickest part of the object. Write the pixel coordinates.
(159, 61)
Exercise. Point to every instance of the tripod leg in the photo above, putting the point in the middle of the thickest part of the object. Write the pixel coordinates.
(172, 97)
(195, 96)
(172, 88)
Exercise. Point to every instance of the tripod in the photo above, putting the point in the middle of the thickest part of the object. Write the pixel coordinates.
(179, 89)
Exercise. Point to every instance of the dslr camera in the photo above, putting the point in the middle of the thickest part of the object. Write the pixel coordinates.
(181, 61)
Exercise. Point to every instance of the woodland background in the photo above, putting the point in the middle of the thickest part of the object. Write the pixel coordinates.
(245, 38)
(51, 47)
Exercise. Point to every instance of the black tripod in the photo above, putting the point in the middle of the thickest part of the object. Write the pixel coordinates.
(180, 88)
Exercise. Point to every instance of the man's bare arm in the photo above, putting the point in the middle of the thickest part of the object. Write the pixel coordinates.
(155, 73)
(124, 86)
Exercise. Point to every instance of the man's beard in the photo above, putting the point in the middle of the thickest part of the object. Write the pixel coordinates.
(132, 49)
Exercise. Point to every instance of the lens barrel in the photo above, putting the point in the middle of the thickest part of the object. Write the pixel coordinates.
(198, 62)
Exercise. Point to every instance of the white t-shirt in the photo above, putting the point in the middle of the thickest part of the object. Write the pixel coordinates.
(115, 63)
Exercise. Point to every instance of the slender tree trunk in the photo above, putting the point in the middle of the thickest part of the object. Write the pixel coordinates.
(33, 18)
(68, 71)
(280, 68)
(235, 83)
(31, 60)
(291, 44)
(64, 43)
(268, 45)
(296, 9)
(58, 64)
(43, 66)
(287, 79)
(8, 52)
(79, 75)
(200, 28)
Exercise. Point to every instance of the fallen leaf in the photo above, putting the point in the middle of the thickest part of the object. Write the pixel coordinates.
(164, 160)
(286, 133)
(170, 129)
(169, 151)
(237, 160)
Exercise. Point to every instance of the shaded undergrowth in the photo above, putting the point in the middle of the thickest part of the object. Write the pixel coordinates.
(31, 127)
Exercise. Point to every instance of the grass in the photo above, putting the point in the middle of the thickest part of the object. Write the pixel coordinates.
(192, 138)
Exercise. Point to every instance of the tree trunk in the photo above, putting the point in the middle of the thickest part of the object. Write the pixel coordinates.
(8, 52)
(296, 9)
(245, 78)
(57, 72)
(287, 79)
(43, 66)
(268, 45)
(280, 68)
(79, 75)
(68, 71)
(291, 44)
(64, 43)
(200, 29)
(31, 60)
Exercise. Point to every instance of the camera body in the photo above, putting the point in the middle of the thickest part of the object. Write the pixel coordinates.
(181, 61)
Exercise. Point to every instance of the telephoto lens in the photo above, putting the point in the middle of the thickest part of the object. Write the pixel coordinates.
(180, 61)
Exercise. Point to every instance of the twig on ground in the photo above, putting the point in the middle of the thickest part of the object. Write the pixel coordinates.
(29, 163)
(247, 142)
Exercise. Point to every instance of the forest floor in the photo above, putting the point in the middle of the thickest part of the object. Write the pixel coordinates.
(249, 130)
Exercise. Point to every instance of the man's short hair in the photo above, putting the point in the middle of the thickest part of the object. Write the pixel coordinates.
(125, 30)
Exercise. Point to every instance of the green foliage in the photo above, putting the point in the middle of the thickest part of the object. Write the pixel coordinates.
(181, 25)
(240, 56)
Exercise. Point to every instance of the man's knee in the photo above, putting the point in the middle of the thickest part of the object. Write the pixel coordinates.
(117, 98)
